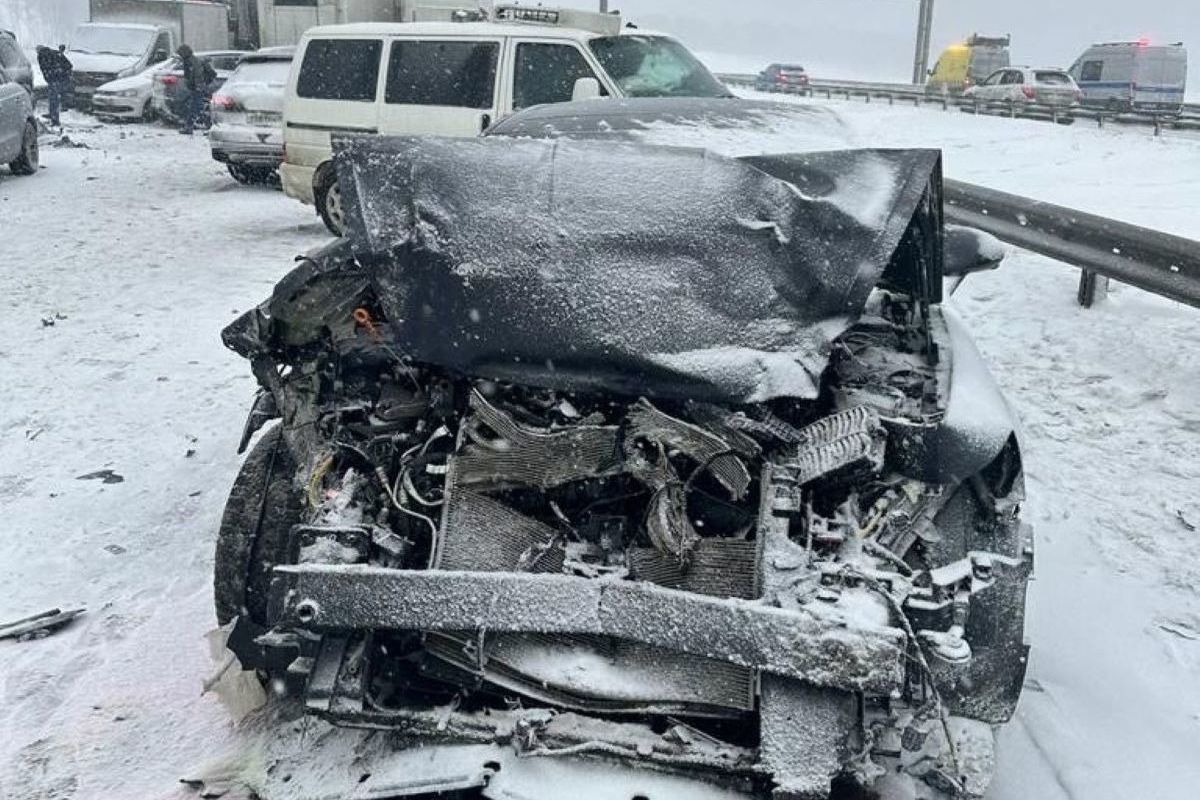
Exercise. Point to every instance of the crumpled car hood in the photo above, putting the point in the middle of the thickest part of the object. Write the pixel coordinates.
(667, 272)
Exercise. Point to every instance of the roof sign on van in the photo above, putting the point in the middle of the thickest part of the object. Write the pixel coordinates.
(609, 24)
(978, 40)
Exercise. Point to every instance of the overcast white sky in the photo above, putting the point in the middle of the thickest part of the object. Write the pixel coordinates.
(874, 38)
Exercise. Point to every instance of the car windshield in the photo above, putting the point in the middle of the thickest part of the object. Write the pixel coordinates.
(267, 73)
(111, 41)
(655, 66)
(1053, 78)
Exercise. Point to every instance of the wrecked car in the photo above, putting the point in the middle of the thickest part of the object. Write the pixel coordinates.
(664, 470)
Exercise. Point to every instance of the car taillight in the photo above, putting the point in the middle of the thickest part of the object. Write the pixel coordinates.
(1079, 94)
(169, 80)
(1028, 91)
(223, 102)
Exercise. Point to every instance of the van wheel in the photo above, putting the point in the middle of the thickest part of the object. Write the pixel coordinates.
(328, 195)
(26, 163)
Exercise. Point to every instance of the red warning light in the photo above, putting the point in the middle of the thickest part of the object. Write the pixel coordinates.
(1143, 41)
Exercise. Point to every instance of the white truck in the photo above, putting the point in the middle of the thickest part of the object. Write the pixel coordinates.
(282, 22)
(124, 37)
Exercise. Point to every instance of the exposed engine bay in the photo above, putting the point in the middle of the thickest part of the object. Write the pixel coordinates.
(778, 592)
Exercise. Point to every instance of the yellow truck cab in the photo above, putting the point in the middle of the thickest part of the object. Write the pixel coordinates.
(964, 64)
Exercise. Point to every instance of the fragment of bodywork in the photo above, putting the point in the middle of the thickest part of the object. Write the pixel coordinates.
(684, 275)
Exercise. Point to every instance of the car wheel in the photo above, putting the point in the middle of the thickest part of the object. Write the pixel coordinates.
(148, 113)
(329, 203)
(27, 162)
(241, 173)
(253, 537)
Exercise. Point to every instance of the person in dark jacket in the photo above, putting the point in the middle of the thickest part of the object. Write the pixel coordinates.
(56, 69)
(197, 77)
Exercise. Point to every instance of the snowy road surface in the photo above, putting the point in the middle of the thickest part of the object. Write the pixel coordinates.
(139, 249)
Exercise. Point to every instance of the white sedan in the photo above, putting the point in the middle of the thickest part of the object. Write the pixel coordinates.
(129, 98)
(1019, 87)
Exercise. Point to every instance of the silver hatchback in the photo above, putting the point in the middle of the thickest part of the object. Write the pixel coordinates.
(18, 129)
(247, 116)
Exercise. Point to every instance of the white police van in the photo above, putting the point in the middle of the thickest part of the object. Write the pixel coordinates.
(1132, 76)
(456, 78)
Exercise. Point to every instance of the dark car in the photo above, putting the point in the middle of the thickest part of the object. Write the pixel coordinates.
(632, 467)
(782, 78)
(14, 62)
(168, 91)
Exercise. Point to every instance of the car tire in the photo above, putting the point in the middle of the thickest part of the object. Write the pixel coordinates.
(255, 529)
(241, 173)
(27, 162)
(148, 112)
(328, 196)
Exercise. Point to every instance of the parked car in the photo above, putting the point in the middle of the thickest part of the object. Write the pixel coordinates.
(782, 78)
(106, 51)
(129, 98)
(456, 79)
(1133, 76)
(1018, 87)
(18, 128)
(683, 472)
(14, 61)
(964, 64)
(247, 116)
(168, 92)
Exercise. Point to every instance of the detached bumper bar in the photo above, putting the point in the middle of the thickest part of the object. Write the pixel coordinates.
(819, 651)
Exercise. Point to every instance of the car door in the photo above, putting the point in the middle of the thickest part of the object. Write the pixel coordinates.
(12, 123)
(1010, 86)
(545, 71)
(441, 86)
(987, 91)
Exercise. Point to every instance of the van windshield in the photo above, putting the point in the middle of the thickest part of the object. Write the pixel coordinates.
(111, 40)
(655, 66)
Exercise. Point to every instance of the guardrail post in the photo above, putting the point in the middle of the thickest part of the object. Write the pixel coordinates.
(891, 99)
(1100, 120)
(945, 104)
(1054, 115)
(1157, 125)
(1087, 288)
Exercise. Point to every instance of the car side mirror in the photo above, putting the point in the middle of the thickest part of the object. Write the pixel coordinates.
(159, 56)
(585, 89)
(968, 250)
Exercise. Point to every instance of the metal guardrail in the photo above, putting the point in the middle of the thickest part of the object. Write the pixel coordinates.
(1156, 262)
(1189, 118)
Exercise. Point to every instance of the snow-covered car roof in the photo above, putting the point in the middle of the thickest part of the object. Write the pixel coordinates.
(729, 126)
(461, 29)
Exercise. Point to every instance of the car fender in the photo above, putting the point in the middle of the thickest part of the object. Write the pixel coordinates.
(978, 421)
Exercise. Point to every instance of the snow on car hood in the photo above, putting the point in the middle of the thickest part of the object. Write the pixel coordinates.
(101, 62)
(142, 82)
(636, 269)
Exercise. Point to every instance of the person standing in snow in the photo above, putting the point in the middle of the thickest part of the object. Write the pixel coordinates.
(197, 77)
(56, 69)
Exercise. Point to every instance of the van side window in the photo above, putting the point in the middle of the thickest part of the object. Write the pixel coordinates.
(546, 73)
(340, 69)
(1092, 70)
(461, 74)
(162, 48)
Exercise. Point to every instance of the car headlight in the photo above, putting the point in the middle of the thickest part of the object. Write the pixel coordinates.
(126, 93)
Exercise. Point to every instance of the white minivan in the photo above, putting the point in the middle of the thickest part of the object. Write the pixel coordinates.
(1133, 76)
(456, 78)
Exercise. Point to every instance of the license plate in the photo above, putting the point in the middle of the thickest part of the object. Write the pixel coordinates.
(267, 119)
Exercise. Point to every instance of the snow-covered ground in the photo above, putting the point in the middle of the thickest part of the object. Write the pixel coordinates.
(139, 249)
